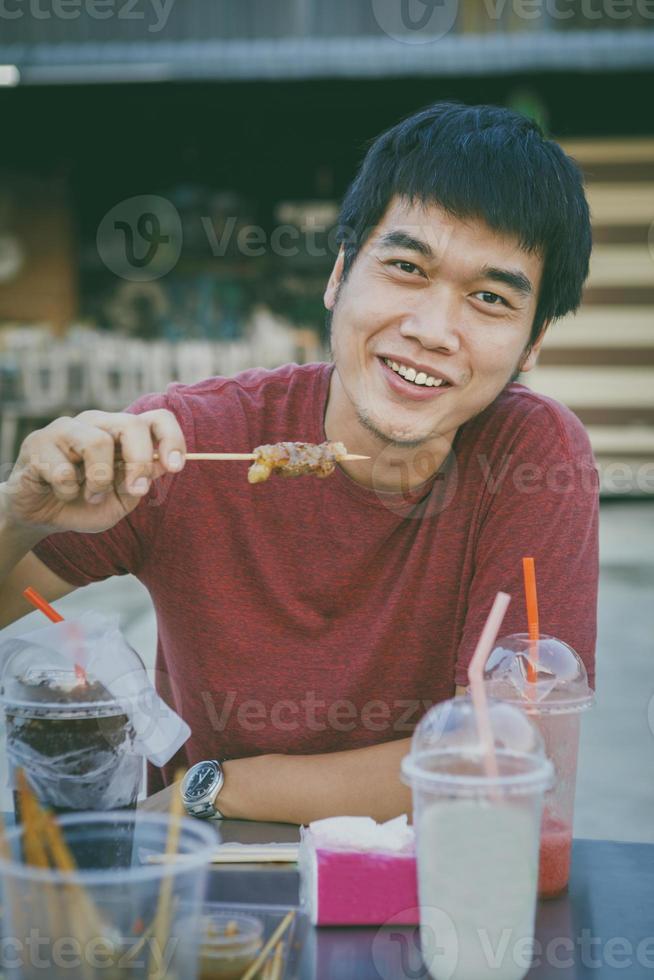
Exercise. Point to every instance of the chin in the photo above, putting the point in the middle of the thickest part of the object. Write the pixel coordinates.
(396, 435)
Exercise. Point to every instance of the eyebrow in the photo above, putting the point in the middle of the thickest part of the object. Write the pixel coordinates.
(400, 239)
(512, 278)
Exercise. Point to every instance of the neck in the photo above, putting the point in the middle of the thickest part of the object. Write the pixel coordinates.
(392, 468)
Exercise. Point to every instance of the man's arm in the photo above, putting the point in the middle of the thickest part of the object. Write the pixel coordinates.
(29, 570)
(302, 788)
(20, 568)
(69, 477)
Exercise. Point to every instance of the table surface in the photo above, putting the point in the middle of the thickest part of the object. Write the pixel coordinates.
(603, 926)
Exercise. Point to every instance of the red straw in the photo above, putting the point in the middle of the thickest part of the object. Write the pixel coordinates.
(476, 678)
(37, 600)
(531, 597)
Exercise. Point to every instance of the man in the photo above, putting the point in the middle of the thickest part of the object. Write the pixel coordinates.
(306, 625)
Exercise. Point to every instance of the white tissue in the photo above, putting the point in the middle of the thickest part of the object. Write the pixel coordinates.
(363, 834)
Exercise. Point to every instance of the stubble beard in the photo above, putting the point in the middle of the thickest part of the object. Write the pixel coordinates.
(387, 440)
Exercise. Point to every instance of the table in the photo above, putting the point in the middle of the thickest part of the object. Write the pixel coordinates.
(604, 926)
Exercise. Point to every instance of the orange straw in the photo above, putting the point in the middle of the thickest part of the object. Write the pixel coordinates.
(531, 597)
(37, 600)
(476, 678)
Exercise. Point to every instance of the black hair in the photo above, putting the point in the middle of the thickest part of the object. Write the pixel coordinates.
(488, 163)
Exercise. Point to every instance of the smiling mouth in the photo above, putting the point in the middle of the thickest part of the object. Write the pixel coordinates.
(413, 377)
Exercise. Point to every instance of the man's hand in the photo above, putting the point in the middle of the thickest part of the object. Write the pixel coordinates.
(87, 473)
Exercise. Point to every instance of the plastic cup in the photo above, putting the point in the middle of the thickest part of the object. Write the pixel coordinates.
(554, 702)
(97, 922)
(75, 742)
(73, 738)
(476, 840)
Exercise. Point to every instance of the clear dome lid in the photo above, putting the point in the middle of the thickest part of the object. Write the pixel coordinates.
(65, 678)
(86, 668)
(446, 750)
(69, 669)
(560, 684)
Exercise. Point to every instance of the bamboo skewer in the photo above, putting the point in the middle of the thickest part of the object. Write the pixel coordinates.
(32, 819)
(254, 968)
(222, 457)
(46, 847)
(42, 898)
(277, 962)
(13, 900)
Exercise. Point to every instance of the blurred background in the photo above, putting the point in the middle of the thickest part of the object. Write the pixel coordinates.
(170, 175)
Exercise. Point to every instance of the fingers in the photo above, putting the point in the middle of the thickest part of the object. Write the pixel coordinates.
(46, 466)
(171, 445)
(138, 438)
(102, 452)
(94, 449)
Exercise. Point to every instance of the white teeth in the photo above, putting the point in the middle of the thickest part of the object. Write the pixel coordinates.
(417, 377)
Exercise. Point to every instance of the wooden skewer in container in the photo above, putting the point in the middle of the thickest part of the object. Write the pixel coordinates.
(65, 910)
(254, 968)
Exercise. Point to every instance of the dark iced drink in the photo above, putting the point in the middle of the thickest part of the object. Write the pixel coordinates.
(73, 740)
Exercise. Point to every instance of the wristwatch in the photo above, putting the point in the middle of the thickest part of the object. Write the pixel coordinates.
(200, 787)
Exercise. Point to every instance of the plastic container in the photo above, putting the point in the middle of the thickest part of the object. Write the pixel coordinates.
(555, 702)
(267, 918)
(229, 943)
(97, 922)
(476, 839)
(81, 715)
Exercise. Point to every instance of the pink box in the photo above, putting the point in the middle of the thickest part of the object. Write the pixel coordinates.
(358, 888)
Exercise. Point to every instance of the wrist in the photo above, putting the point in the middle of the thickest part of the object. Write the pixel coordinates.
(238, 799)
(17, 538)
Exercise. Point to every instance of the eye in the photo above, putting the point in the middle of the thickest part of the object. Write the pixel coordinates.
(409, 267)
(491, 299)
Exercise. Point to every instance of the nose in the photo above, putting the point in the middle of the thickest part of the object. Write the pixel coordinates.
(433, 323)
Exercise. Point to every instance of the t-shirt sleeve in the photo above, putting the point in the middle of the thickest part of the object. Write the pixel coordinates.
(80, 559)
(541, 500)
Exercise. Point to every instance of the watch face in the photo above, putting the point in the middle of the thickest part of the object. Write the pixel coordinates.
(201, 781)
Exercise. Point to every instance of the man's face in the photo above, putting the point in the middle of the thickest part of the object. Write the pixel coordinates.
(446, 302)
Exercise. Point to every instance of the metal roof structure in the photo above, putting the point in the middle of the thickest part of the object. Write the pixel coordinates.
(288, 58)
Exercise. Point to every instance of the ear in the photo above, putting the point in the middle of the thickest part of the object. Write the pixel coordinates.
(335, 279)
(533, 350)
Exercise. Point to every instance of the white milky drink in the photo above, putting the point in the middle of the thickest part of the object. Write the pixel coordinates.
(477, 880)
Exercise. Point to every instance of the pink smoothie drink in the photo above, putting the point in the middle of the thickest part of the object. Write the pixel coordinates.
(554, 696)
(554, 860)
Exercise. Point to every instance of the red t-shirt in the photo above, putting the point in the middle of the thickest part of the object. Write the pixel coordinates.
(306, 615)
